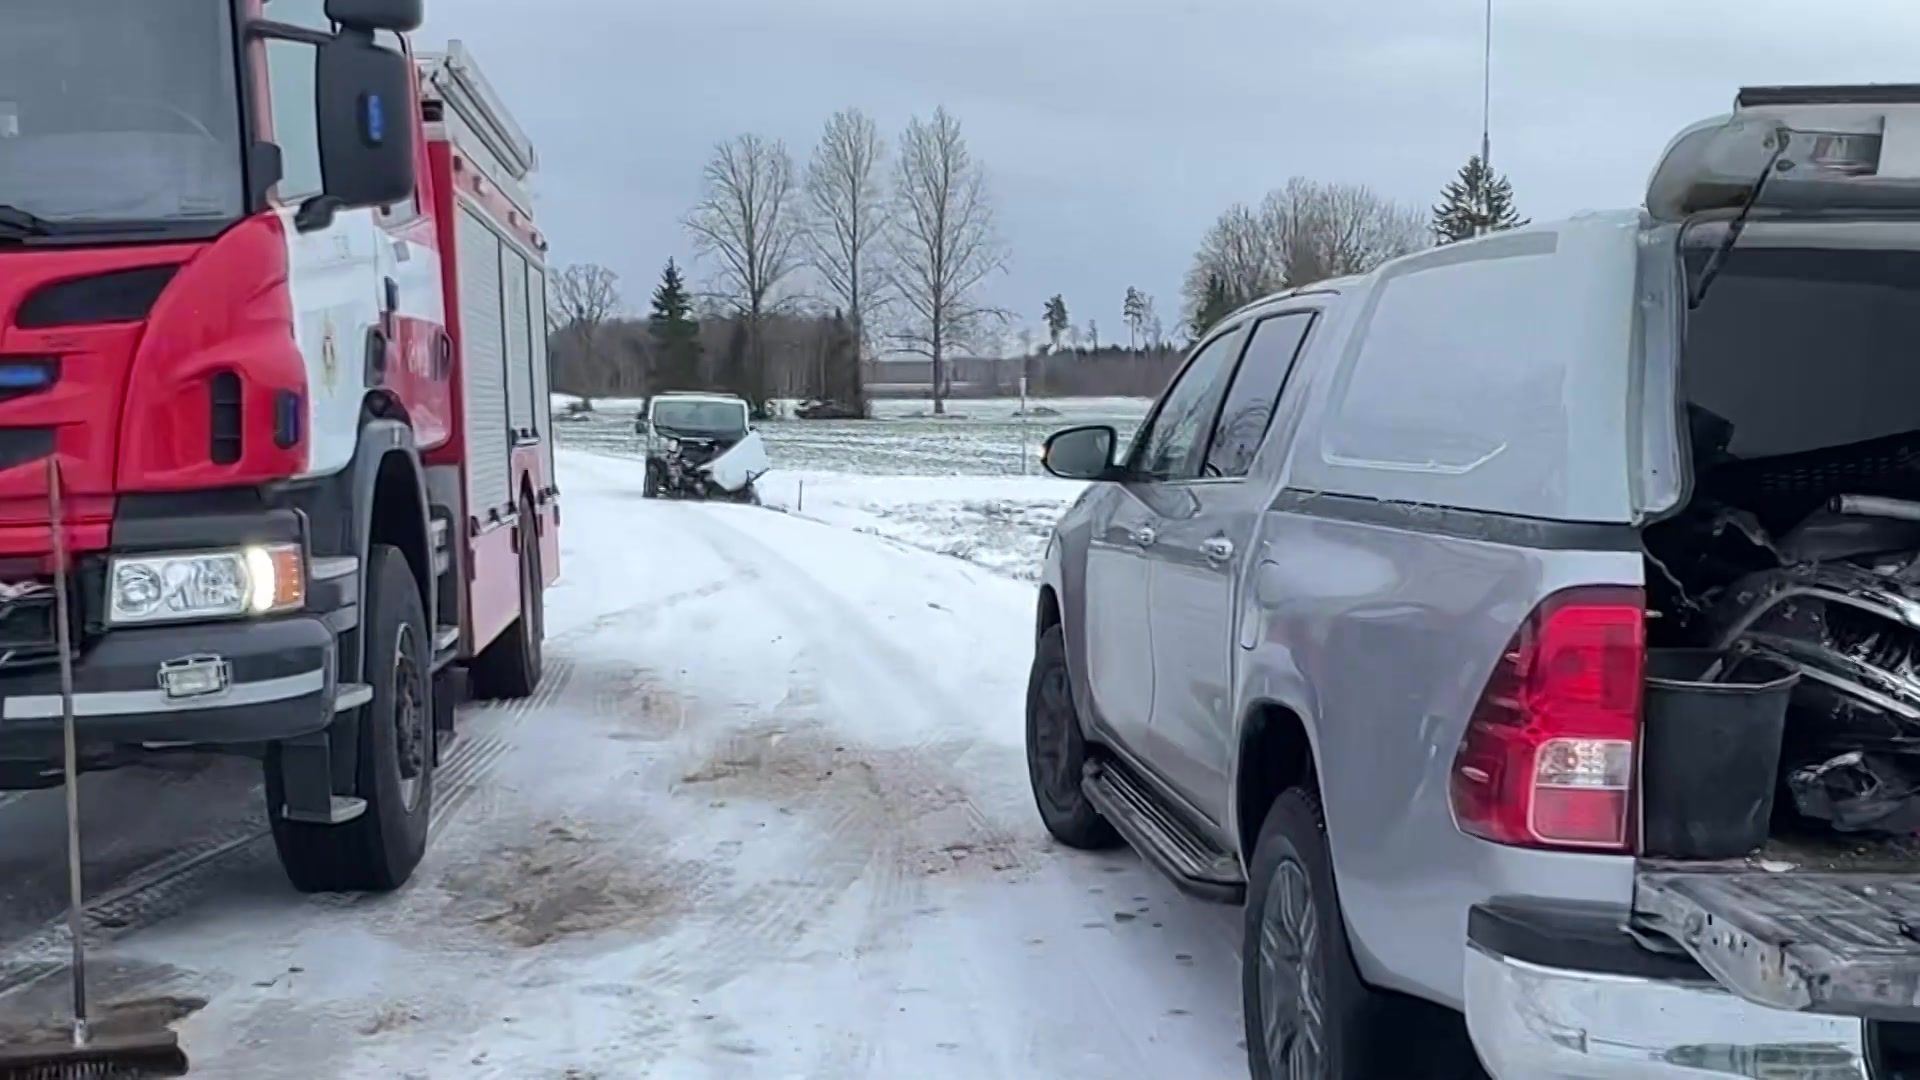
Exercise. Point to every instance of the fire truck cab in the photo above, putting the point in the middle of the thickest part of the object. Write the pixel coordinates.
(272, 316)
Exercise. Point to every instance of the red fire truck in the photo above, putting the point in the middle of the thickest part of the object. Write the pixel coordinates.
(272, 298)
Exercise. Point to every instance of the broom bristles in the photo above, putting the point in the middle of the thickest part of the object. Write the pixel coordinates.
(119, 1057)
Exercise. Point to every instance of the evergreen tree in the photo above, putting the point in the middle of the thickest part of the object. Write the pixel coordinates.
(1134, 311)
(676, 336)
(1057, 319)
(1216, 305)
(1477, 201)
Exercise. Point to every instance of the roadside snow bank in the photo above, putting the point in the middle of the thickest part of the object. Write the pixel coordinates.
(997, 522)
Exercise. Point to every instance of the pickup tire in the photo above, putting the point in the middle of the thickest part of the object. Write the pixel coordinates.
(510, 667)
(1057, 751)
(1309, 1015)
(393, 772)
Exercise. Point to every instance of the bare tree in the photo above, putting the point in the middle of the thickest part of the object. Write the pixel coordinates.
(847, 213)
(1238, 253)
(580, 301)
(1304, 232)
(943, 243)
(1318, 231)
(747, 218)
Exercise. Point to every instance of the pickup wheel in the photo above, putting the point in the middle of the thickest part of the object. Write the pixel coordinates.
(377, 851)
(650, 485)
(510, 667)
(1057, 751)
(1309, 1016)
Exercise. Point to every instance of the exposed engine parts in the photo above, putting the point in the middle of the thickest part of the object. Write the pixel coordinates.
(1850, 625)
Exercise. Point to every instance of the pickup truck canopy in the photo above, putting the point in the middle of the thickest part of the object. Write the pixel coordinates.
(1822, 150)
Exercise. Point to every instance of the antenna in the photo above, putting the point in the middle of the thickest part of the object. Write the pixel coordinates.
(1486, 94)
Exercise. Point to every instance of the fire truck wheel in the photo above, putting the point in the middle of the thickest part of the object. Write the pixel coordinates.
(510, 667)
(377, 851)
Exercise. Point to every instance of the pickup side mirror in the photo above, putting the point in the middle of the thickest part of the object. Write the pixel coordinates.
(1081, 453)
(399, 16)
(364, 94)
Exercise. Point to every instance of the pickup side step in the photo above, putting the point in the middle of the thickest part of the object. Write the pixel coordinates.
(1158, 833)
(1837, 943)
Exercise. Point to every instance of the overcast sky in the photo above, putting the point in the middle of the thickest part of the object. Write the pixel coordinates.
(1114, 131)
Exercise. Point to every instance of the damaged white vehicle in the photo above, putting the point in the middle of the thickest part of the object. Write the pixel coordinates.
(701, 446)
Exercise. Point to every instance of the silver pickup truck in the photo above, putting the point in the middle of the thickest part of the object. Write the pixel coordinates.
(1528, 633)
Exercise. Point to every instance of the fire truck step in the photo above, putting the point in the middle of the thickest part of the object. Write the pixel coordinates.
(326, 568)
(446, 646)
(352, 696)
(345, 808)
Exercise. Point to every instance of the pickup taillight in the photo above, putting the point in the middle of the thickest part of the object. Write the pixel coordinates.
(1548, 756)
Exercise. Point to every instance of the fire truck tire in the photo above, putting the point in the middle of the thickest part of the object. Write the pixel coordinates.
(377, 851)
(510, 667)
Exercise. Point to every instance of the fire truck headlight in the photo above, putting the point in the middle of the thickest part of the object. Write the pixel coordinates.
(257, 580)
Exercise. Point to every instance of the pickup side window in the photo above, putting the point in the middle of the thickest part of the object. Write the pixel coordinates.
(1172, 444)
(1255, 393)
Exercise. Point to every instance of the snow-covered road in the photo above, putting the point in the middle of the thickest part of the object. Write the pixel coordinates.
(767, 817)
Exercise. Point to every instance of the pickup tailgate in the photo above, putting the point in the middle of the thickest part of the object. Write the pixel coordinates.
(1840, 942)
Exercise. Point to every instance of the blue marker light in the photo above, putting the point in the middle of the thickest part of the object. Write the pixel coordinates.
(376, 113)
(24, 376)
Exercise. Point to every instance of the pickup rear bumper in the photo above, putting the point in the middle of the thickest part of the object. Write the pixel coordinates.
(1563, 991)
(279, 685)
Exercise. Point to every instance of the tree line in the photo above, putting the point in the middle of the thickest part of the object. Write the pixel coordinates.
(1309, 231)
(811, 271)
(864, 252)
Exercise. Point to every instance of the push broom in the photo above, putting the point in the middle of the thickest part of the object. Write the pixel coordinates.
(118, 1048)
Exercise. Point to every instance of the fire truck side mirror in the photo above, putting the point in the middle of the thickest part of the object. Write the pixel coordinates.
(365, 103)
(399, 16)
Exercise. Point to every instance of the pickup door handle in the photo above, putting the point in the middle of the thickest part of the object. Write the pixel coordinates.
(1145, 536)
(1217, 549)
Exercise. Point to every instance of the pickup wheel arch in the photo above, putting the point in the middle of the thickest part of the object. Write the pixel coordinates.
(1047, 615)
(1276, 755)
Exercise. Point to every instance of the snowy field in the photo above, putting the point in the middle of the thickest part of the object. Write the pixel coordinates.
(767, 817)
(968, 484)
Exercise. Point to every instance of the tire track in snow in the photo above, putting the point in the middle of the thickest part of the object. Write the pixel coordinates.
(860, 839)
(939, 707)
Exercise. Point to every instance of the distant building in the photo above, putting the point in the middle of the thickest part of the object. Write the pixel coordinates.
(967, 376)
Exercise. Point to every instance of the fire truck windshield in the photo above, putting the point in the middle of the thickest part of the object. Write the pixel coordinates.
(120, 111)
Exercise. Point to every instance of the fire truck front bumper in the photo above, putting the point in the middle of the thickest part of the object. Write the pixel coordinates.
(207, 684)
